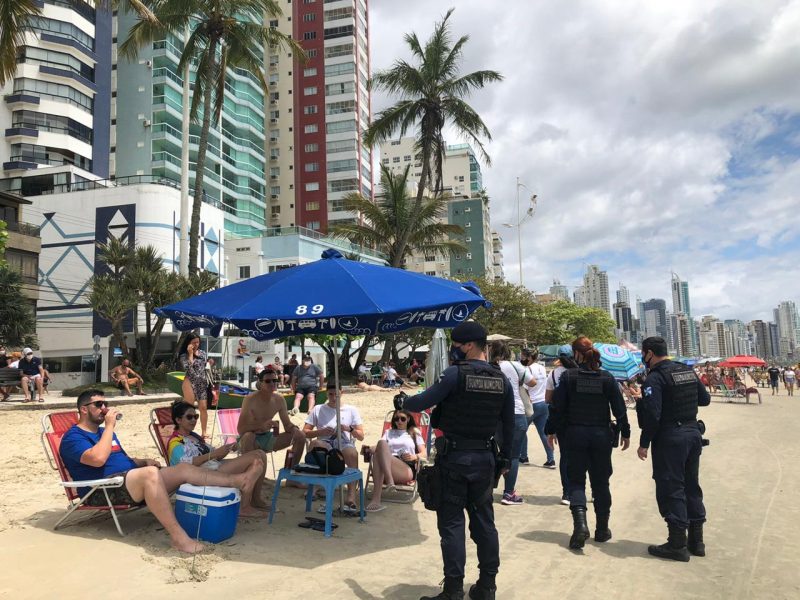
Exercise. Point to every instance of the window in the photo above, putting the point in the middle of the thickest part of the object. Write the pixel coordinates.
(340, 146)
(469, 239)
(340, 69)
(311, 109)
(313, 225)
(343, 185)
(340, 50)
(467, 224)
(62, 29)
(337, 32)
(395, 159)
(430, 258)
(461, 179)
(311, 53)
(309, 1)
(407, 158)
(312, 205)
(55, 91)
(340, 126)
(312, 187)
(313, 71)
(311, 128)
(311, 147)
(336, 166)
(311, 167)
(468, 209)
(337, 108)
(469, 255)
(308, 17)
(243, 249)
(309, 91)
(339, 13)
(346, 87)
(385, 161)
(395, 142)
(244, 271)
(310, 35)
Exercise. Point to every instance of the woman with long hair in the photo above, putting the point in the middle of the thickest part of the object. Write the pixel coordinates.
(396, 456)
(580, 413)
(195, 384)
(185, 446)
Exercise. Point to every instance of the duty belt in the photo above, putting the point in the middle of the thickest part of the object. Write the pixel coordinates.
(686, 422)
(451, 444)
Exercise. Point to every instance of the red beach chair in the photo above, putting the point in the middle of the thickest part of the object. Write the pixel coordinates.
(161, 428)
(54, 426)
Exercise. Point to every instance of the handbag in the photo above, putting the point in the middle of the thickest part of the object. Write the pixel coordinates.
(523, 393)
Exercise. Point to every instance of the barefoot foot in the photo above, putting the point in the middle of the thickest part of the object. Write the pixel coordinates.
(188, 545)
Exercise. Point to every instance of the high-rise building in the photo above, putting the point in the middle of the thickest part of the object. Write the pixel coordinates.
(712, 337)
(623, 295)
(595, 284)
(624, 320)
(57, 109)
(559, 291)
(318, 112)
(468, 206)
(579, 296)
(682, 306)
(497, 256)
(148, 127)
(774, 339)
(788, 323)
(654, 322)
(760, 332)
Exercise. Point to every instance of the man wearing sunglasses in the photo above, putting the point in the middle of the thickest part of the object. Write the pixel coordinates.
(256, 421)
(91, 450)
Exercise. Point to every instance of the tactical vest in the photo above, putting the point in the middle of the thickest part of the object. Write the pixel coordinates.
(472, 410)
(679, 398)
(587, 403)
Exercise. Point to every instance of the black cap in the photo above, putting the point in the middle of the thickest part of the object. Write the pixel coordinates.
(469, 332)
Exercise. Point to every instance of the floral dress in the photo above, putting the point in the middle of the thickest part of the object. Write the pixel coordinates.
(196, 373)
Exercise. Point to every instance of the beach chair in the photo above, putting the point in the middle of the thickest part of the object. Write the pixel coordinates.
(54, 426)
(406, 492)
(228, 430)
(161, 428)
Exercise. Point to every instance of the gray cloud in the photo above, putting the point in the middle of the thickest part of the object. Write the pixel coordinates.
(625, 117)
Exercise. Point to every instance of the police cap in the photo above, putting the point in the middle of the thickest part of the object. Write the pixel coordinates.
(469, 332)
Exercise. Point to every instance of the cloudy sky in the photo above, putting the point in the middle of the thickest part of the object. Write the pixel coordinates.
(659, 136)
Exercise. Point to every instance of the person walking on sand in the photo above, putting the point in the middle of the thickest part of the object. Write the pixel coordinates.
(789, 379)
(774, 376)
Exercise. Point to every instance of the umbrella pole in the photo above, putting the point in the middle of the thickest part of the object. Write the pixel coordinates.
(338, 408)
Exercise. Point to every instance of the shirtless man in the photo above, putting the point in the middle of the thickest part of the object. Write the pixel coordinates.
(125, 377)
(257, 419)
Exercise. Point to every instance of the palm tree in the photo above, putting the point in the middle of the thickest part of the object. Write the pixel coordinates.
(223, 34)
(395, 213)
(14, 15)
(432, 95)
(17, 319)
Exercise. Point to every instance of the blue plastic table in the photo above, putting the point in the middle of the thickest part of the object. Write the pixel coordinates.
(328, 482)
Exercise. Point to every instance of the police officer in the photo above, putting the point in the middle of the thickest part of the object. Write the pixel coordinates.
(580, 413)
(668, 417)
(471, 397)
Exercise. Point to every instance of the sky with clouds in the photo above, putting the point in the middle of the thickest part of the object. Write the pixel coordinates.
(659, 136)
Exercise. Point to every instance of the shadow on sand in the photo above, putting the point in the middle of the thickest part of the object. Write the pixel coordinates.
(617, 548)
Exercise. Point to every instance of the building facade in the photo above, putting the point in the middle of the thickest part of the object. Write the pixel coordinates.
(682, 306)
(56, 114)
(654, 318)
(497, 256)
(595, 289)
(147, 129)
(559, 291)
(317, 114)
(23, 245)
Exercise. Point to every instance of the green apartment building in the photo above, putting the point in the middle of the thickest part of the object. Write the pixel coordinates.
(148, 118)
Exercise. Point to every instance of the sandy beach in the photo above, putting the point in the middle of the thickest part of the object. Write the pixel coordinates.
(750, 475)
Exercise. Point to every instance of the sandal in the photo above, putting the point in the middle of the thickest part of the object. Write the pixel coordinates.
(349, 507)
(378, 508)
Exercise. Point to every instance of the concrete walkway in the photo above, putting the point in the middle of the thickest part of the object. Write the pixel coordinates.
(54, 399)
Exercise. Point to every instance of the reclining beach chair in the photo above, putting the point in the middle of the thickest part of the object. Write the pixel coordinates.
(54, 426)
(228, 430)
(161, 428)
(406, 492)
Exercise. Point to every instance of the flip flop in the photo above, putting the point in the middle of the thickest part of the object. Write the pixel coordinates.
(379, 508)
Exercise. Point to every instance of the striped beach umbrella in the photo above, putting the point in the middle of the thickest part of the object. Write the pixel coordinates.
(621, 363)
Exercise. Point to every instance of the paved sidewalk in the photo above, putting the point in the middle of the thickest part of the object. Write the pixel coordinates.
(54, 399)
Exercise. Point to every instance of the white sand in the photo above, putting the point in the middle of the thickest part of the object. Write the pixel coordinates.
(749, 474)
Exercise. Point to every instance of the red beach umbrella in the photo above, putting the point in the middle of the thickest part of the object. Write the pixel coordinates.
(741, 360)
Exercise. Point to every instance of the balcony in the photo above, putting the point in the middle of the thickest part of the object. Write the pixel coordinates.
(24, 228)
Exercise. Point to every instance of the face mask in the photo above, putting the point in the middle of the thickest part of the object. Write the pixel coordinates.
(524, 362)
(306, 363)
(457, 354)
(644, 361)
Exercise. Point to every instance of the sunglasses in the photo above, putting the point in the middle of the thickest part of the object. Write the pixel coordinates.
(191, 417)
(97, 404)
(270, 381)
(402, 419)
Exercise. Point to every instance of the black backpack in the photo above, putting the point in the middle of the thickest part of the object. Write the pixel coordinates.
(328, 462)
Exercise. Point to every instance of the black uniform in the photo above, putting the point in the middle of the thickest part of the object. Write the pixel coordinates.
(668, 417)
(580, 414)
(471, 397)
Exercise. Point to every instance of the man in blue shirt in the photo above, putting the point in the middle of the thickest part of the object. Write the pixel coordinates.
(31, 367)
(91, 450)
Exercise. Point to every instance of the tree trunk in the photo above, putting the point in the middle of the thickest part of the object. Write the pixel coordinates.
(402, 242)
(199, 169)
(153, 345)
(119, 335)
(362, 351)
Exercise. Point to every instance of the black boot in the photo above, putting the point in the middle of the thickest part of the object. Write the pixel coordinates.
(695, 542)
(484, 589)
(675, 548)
(601, 531)
(580, 529)
(453, 590)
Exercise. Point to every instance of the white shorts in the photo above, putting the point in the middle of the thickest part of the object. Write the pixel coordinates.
(37, 376)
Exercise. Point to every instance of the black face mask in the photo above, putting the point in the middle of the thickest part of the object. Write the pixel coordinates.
(524, 361)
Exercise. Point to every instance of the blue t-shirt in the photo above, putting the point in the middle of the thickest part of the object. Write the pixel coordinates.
(77, 441)
(30, 367)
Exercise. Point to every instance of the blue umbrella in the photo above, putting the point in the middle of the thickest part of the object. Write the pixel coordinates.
(618, 361)
(330, 296)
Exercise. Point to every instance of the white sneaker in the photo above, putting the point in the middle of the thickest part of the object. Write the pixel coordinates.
(293, 412)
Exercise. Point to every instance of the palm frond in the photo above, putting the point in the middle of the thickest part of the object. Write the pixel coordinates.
(15, 16)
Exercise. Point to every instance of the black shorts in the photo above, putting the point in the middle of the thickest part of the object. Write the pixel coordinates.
(307, 389)
(118, 496)
(412, 464)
